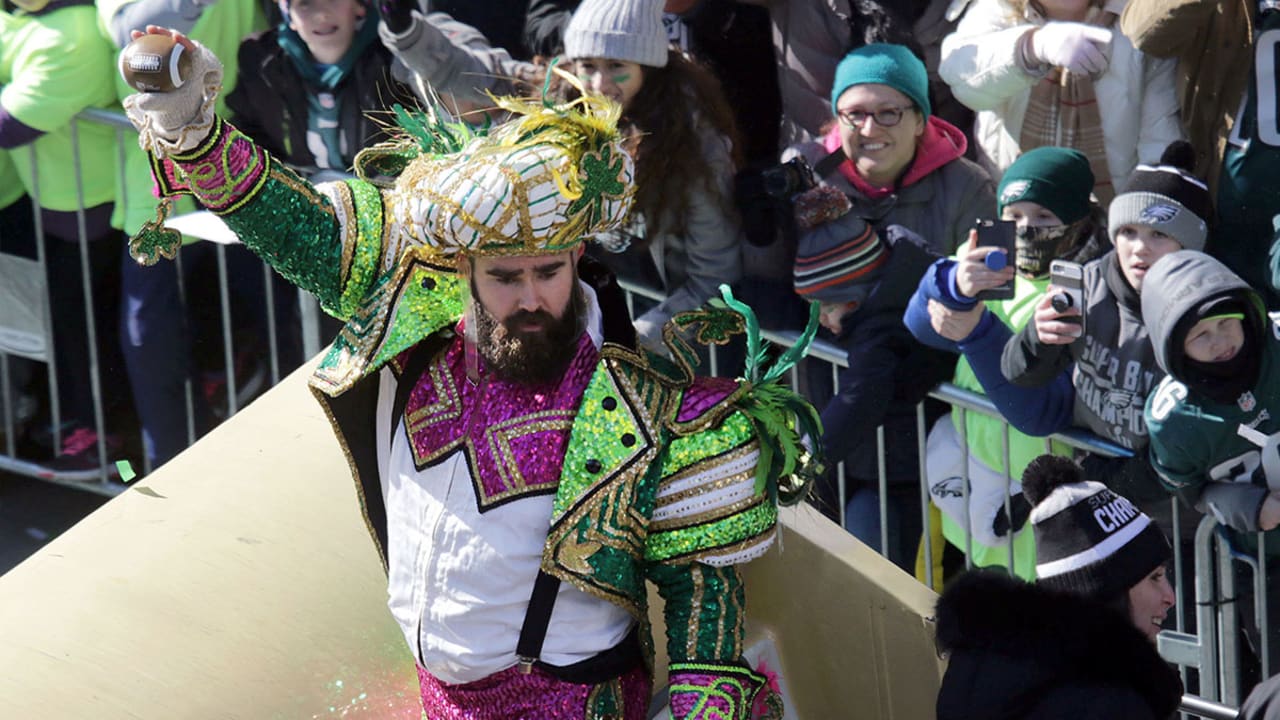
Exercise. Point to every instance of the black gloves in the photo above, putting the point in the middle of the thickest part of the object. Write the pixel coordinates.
(1021, 509)
(397, 14)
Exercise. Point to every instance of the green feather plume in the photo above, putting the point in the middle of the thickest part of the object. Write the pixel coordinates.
(786, 469)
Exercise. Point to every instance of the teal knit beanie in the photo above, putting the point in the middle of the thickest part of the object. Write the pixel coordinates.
(1057, 178)
(884, 64)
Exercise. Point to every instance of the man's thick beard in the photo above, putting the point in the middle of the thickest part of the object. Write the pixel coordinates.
(531, 358)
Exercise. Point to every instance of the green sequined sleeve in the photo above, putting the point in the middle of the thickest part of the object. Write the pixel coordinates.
(705, 611)
(325, 239)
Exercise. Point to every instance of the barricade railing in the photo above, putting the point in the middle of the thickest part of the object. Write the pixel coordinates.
(1197, 706)
(19, 460)
(1215, 655)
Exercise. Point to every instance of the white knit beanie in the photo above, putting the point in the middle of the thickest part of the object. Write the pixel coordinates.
(630, 30)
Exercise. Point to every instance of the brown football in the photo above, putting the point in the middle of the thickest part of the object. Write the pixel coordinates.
(155, 63)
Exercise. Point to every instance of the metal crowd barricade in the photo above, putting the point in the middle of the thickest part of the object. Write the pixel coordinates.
(1199, 707)
(39, 346)
(1214, 654)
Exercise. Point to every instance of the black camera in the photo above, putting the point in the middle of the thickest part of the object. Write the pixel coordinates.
(788, 179)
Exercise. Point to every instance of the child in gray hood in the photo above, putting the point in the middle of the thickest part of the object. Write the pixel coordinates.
(1216, 409)
(1214, 421)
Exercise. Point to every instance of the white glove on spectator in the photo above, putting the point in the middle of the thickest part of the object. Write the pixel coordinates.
(1075, 47)
(179, 120)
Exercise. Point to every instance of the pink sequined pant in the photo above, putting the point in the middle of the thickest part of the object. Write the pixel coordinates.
(512, 695)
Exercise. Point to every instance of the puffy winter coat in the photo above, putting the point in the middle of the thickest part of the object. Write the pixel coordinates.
(1136, 94)
(1022, 651)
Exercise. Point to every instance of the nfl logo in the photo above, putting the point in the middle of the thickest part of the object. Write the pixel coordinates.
(1246, 401)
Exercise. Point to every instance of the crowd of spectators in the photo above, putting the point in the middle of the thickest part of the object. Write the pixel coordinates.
(829, 151)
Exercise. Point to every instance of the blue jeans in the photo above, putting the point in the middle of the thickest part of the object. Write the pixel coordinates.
(164, 342)
(862, 519)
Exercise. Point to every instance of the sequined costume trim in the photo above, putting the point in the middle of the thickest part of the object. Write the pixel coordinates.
(705, 401)
(606, 490)
(704, 691)
(709, 542)
(514, 435)
(225, 172)
(536, 696)
(414, 301)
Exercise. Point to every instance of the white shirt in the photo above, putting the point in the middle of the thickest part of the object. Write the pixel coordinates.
(459, 580)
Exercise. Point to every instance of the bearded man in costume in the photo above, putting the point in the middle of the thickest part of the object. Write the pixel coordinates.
(521, 477)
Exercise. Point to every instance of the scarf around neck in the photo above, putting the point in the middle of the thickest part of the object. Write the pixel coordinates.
(1063, 111)
(325, 77)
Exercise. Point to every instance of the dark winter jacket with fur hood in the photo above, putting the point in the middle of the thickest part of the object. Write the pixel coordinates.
(1023, 651)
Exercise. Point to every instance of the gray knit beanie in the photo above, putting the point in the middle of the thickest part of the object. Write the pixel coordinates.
(630, 30)
(1167, 197)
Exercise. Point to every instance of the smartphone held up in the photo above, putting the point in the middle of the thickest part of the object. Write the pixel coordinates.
(1001, 237)
(1068, 278)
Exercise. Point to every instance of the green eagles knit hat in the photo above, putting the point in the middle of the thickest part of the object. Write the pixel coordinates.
(1057, 178)
(884, 64)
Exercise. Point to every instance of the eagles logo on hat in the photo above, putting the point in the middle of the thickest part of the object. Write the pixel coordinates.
(1055, 178)
(1013, 191)
(1166, 195)
(1157, 214)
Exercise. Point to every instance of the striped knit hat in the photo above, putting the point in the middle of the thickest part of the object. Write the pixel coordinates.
(1089, 540)
(838, 260)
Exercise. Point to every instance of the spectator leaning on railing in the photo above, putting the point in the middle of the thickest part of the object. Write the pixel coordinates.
(1111, 362)
(1215, 418)
(54, 63)
(863, 280)
(1046, 193)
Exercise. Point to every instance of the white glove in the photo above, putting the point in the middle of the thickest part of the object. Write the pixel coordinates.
(1075, 47)
(179, 120)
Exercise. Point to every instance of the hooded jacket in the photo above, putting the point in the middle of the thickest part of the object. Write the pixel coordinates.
(1023, 651)
(888, 371)
(1114, 370)
(939, 203)
(1195, 444)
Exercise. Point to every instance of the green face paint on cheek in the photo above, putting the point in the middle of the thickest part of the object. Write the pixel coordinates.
(620, 79)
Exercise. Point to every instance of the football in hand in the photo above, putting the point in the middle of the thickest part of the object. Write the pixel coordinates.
(155, 63)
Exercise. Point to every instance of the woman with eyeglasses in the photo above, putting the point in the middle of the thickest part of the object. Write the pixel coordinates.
(900, 169)
(903, 165)
(1058, 72)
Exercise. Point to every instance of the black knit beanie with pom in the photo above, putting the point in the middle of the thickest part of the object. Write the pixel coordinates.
(1089, 540)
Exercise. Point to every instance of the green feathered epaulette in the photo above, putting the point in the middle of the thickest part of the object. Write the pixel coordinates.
(781, 417)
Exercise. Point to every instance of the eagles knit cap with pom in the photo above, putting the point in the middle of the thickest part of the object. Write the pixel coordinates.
(883, 64)
(1056, 178)
(630, 30)
(1089, 540)
(1166, 197)
(835, 257)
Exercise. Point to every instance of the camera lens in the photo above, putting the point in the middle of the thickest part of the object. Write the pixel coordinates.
(1061, 302)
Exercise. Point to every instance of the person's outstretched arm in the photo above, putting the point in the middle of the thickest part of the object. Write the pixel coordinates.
(326, 239)
(450, 57)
